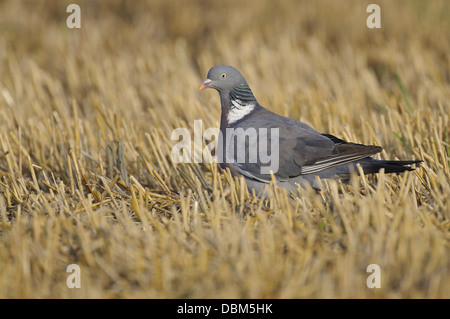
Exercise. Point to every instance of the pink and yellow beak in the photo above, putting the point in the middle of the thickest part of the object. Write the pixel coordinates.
(205, 84)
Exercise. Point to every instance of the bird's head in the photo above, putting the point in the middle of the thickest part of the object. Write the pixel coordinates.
(223, 78)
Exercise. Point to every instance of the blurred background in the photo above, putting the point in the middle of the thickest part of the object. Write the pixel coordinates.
(296, 55)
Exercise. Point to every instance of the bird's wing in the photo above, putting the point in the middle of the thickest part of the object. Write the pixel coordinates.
(291, 149)
(346, 153)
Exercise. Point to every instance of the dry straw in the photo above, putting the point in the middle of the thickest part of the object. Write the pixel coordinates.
(86, 175)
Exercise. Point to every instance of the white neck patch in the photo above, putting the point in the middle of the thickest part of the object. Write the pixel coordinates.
(239, 110)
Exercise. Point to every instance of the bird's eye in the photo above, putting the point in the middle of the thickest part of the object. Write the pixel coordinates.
(223, 75)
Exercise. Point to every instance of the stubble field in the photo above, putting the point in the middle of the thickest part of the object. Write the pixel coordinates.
(87, 178)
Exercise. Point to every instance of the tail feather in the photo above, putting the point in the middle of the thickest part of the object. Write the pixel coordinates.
(370, 166)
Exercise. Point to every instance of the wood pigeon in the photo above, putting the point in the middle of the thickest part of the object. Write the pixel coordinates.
(254, 142)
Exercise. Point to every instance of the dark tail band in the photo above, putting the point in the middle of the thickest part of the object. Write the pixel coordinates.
(370, 166)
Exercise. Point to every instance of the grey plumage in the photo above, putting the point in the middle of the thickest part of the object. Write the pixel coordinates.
(303, 152)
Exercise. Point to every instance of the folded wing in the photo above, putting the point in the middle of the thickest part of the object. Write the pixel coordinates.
(301, 149)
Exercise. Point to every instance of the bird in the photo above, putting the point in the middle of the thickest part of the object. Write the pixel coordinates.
(298, 152)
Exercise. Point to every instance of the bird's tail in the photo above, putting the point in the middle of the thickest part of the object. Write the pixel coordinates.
(370, 165)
